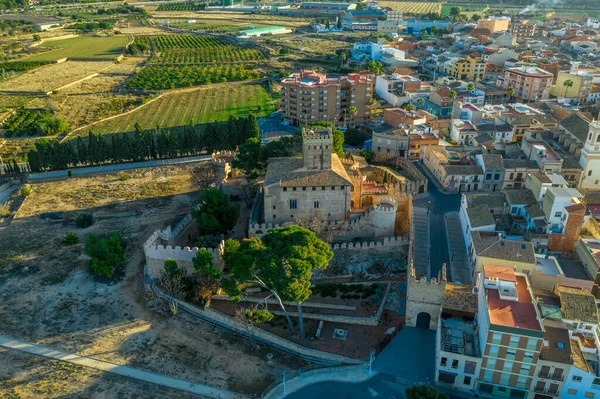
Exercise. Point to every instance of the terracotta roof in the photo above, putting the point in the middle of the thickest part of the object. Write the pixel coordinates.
(492, 161)
(480, 215)
(492, 246)
(519, 163)
(577, 125)
(519, 314)
(492, 200)
(558, 348)
(576, 208)
(290, 172)
(578, 359)
(577, 304)
(499, 272)
(520, 197)
(460, 297)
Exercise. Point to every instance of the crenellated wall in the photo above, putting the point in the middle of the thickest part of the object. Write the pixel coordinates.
(423, 297)
(160, 247)
(377, 221)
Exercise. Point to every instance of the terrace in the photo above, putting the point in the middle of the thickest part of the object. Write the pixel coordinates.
(458, 335)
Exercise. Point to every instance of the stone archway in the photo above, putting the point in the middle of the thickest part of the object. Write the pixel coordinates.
(421, 189)
(423, 320)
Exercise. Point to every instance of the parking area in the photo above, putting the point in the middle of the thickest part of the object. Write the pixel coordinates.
(273, 124)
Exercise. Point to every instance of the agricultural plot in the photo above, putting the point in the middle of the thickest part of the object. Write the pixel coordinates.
(23, 122)
(82, 47)
(171, 77)
(16, 149)
(197, 107)
(412, 7)
(186, 49)
(51, 77)
(184, 6)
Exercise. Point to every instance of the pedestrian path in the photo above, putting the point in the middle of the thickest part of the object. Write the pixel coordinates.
(351, 374)
(126, 371)
(459, 261)
(421, 242)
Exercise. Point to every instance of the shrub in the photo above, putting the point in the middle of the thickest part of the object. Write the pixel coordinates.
(70, 239)
(25, 190)
(107, 253)
(124, 176)
(84, 220)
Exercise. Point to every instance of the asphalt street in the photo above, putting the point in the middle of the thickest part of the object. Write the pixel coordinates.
(439, 203)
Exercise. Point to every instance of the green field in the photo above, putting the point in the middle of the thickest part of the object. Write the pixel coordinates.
(199, 106)
(82, 47)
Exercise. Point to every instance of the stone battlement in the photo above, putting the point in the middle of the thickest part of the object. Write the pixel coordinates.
(385, 242)
(156, 252)
(317, 135)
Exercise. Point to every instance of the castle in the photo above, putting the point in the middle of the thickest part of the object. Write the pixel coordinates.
(355, 199)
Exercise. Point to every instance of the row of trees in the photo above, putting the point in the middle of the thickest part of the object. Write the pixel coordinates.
(142, 145)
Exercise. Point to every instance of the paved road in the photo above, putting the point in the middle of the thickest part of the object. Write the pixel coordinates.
(439, 203)
(125, 371)
(117, 167)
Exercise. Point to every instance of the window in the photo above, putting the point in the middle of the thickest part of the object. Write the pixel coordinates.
(493, 351)
(454, 363)
(316, 204)
(323, 188)
(487, 376)
(557, 214)
(314, 188)
(444, 361)
(589, 394)
(532, 343)
(572, 391)
(303, 188)
(285, 189)
(293, 204)
(590, 173)
(467, 380)
(496, 338)
(514, 341)
(294, 189)
(508, 366)
(333, 187)
(525, 369)
(504, 378)
(274, 207)
(576, 378)
(510, 354)
(274, 216)
(491, 364)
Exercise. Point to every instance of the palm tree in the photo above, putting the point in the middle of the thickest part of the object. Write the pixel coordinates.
(408, 107)
(420, 102)
(352, 111)
(452, 95)
(567, 83)
(511, 93)
(470, 86)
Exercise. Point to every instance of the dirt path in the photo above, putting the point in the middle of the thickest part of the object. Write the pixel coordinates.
(126, 371)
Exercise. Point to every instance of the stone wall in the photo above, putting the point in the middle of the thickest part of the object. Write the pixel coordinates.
(377, 221)
(160, 246)
(425, 296)
(374, 258)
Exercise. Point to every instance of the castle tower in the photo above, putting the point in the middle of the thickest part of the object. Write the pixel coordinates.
(590, 158)
(384, 218)
(316, 148)
(424, 299)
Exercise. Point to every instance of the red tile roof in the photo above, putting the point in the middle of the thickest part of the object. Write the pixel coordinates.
(519, 314)
(499, 272)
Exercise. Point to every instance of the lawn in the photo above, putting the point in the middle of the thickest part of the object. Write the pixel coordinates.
(198, 106)
(82, 47)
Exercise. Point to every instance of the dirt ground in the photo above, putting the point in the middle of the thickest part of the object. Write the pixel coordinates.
(47, 295)
(25, 376)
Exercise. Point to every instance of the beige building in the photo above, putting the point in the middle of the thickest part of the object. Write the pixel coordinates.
(523, 29)
(530, 83)
(581, 88)
(494, 24)
(452, 170)
(469, 68)
(316, 184)
(308, 96)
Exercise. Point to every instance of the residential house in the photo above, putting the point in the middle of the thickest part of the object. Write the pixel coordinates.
(469, 68)
(493, 249)
(539, 182)
(515, 171)
(463, 132)
(522, 118)
(493, 171)
(529, 83)
(399, 89)
(511, 332)
(453, 171)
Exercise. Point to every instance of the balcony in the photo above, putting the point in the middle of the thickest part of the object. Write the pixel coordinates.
(542, 374)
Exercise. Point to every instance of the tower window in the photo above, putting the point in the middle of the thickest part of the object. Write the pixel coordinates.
(589, 173)
(316, 204)
(293, 204)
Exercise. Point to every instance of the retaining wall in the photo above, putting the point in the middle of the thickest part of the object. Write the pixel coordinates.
(275, 341)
